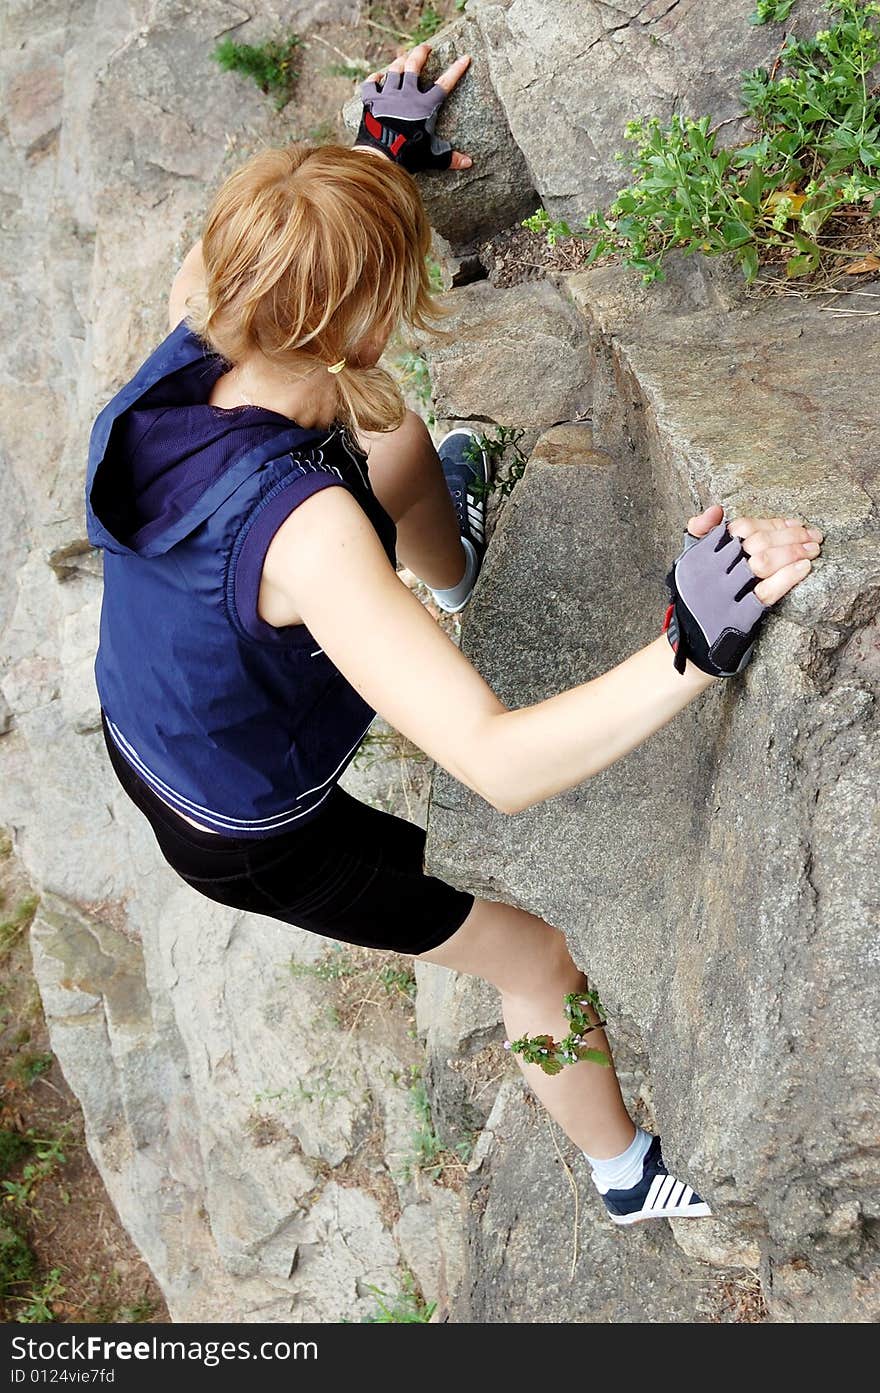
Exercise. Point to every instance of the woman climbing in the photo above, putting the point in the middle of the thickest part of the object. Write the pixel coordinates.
(252, 487)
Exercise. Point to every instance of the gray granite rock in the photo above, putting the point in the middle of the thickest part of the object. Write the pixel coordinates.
(262, 1181)
(459, 1018)
(516, 357)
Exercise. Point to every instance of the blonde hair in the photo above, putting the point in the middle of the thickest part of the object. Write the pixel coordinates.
(312, 250)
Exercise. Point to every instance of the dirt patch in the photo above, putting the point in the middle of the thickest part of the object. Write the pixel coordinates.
(515, 255)
(740, 1301)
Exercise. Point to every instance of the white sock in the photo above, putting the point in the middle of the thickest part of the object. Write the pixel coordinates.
(623, 1171)
(452, 599)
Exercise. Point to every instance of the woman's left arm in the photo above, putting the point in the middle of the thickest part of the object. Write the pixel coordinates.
(189, 279)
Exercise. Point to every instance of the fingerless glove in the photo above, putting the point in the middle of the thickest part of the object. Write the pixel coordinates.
(713, 617)
(399, 119)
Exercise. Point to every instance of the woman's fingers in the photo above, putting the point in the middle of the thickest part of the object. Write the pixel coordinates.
(761, 539)
(704, 522)
(453, 73)
(767, 563)
(770, 590)
(744, 527)
(771, 549)
(779, 550)
(415, 60)
(460, 160)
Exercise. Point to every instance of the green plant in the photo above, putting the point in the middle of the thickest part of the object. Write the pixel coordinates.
(28, 1066)
(408, 1307)
(464, 1150)
(324, 133)
(108, 1304)
(551, 1055)
(504, 452)
(357, 72)
(414, 375)
(322, 1090)
(427, 1150)
(38, 1309)
(817, 152)
(20, 920)
(435, 275)
(771, 11)
(50, 1156)
(398, 979)
(14, 1146)
(271, 65)
(379, 745)
(17, 1262)
(330, 968)
(428, 23)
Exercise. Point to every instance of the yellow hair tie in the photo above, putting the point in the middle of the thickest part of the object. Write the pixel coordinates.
(337, 367)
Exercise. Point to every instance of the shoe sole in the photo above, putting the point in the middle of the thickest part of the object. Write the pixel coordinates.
(471, 435)
(481, 503)
(692, 1211)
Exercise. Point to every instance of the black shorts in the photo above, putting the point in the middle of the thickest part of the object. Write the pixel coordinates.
(351, 872)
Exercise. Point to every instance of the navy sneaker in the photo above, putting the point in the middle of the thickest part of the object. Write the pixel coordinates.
(658, 1195)
(463, 473)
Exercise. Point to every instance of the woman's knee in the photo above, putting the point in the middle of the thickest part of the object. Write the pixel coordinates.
(551, 973)
(519, 953)
(401, 463)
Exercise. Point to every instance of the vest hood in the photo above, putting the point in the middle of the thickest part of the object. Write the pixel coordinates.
(162, 459)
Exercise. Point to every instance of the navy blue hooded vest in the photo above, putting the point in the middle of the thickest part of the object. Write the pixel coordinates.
(239, 725)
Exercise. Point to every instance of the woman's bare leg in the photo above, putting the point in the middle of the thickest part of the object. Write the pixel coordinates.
(407, 478)
(528, 961)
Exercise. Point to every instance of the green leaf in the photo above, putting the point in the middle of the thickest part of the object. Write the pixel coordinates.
(593, 1056)
(746, 211)
(840, 159)
(816, 210)
(748, 260)
(805, 244)
(753, 187)
(800, 265)
(551, 1066)
(734, 233)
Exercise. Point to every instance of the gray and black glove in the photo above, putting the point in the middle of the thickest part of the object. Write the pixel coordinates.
(714, 616)
(399, 119)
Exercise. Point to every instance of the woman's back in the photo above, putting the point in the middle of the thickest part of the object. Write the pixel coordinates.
(233, 721)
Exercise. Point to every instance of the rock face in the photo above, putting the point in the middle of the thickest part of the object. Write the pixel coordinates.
(719, 884)
(535, 1254)
(515, 357)
(569, 77)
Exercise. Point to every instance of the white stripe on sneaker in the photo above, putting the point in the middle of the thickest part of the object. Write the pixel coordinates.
(661, 1202)
(656, 1184)
(675, 1197)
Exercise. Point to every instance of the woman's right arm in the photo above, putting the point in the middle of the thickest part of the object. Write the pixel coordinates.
(328, 561)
